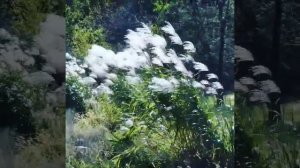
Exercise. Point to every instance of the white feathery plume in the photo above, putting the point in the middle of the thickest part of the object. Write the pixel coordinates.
(134, 56)
(204, 82)
(156, 61)
(161, 85)
(198, 85)
(168, 29)
(108, 82)
(179, 66)
(112, 76)
(260, 69)
(133, 79)
(174, 81)
(140, 38)
(88, 81)
(212, 76)
(161, 55)
(240, 87)
(217, 85)
(269, 86)
(130, 59)
(211, 91)
(99, 55)
(242, 54)
(200, 66)
(158, 41)
(39, 78)
(131, 72)
(144, 29)
(102, 89)
(99, 70)
(135, 40)
(186, 58)
(247, 81)
(189, 47)
(128, 123)
(175, 39)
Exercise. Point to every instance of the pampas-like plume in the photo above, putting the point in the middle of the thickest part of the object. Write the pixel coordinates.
(242, 54)
(189, 47)
(174, 37)
(143, 49)
(259, 69)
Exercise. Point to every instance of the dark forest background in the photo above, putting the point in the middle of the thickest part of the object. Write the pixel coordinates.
(267, 133)
(270, 30)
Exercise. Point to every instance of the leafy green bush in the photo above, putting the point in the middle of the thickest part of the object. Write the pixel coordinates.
(76, 94)
(27, 15)
(144, 128)
(83, 38)
(18, 101)
(139, 127)
(161, 6)
(82, 31)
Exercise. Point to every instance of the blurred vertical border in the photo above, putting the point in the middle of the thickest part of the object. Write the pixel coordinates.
(267, 83)
(32, 76)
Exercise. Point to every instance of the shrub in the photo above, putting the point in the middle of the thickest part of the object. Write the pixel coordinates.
(83, 38)
(81, 30)
(27, 15)
(141, 130)
(76, 94)
(18, 101)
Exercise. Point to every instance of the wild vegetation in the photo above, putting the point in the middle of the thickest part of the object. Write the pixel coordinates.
(260, 143)
(141, 97)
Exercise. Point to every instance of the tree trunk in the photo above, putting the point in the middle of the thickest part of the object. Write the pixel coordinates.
(222, 38)
(275, 57)
(222, 20)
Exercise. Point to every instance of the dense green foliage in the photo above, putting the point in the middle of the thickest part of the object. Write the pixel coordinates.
(24, 17)
(76, 93)
(136, 126)
(82, 30)
(27, 99)
(261, 144)
(158, 137)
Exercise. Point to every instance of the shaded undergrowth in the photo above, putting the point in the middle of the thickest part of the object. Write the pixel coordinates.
(260, 143)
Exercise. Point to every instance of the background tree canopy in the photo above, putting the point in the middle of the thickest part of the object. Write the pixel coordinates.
(208, 24)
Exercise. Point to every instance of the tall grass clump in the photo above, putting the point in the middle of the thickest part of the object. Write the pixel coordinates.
(139, 127)
(261, 143)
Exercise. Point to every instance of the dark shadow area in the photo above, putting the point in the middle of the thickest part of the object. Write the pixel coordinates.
(267, 83)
